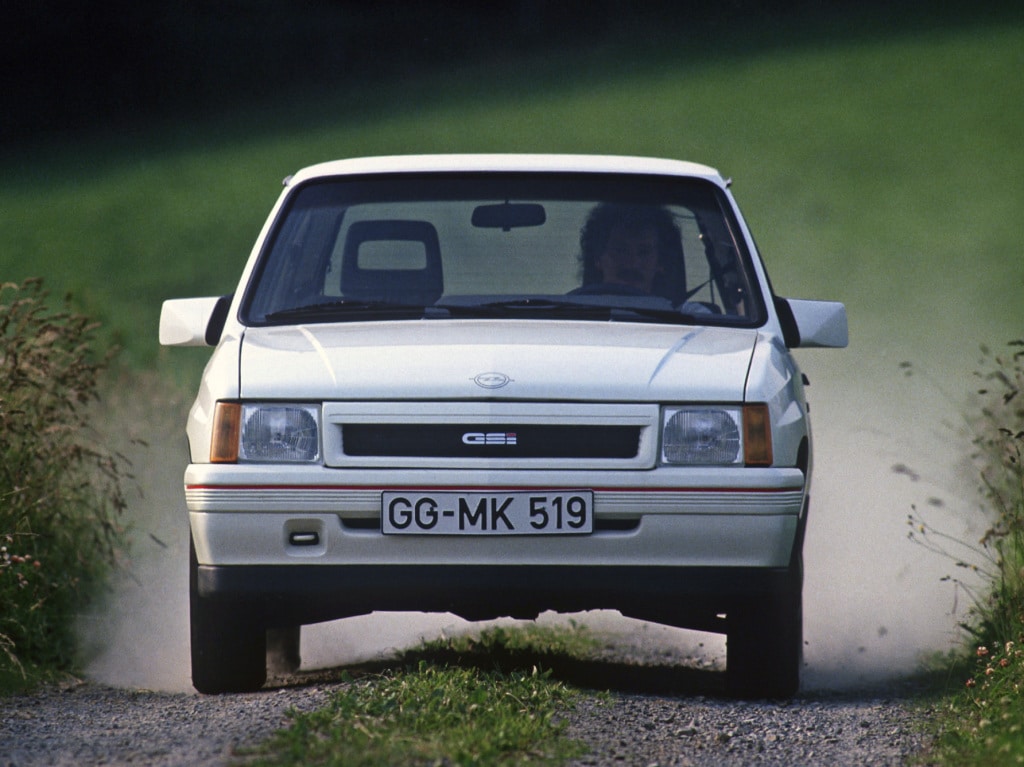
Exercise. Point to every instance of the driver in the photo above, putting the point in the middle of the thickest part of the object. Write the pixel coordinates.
(630, 247)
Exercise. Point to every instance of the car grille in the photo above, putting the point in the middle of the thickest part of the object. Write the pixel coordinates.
(492, 435)
(477, 440)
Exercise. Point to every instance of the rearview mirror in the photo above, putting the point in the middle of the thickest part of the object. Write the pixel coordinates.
(508, 215)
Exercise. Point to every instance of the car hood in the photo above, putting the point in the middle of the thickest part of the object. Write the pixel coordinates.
(488, 359)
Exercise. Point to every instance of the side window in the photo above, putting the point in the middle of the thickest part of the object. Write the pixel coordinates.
(715, 278)
(699, 285)
(296, 270)
(308, 271)
(730, 279)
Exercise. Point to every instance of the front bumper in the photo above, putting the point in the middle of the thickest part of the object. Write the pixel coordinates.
(675, 546)
(730, 517)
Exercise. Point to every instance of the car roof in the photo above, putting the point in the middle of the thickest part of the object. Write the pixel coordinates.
(559, 163)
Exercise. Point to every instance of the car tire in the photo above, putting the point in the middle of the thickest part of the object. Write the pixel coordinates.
(229, 650)
(764, 650)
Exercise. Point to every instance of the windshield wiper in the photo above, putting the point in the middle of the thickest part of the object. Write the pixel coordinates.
(546, 307)
(525, 307)
(530, 305)
(348, 309)
(628, 313)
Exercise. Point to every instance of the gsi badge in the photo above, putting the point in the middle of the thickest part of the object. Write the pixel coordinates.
(489, 438)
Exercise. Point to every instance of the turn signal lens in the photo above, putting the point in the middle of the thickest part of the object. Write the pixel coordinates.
(757, 436)
(227, 421)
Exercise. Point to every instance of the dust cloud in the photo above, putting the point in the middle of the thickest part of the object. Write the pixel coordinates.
(138, 636)
(888, 438)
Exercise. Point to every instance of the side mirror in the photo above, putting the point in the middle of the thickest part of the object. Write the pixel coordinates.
(813, 324)
(193, 321)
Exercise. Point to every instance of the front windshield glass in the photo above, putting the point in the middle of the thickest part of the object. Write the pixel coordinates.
(450, 246)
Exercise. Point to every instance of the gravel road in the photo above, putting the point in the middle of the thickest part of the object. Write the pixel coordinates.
(87, 723)
(840, 730)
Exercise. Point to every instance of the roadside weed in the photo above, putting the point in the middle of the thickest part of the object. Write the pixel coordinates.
(982, 723)
(61, 494)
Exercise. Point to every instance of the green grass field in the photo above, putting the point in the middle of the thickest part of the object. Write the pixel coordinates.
(882, 169)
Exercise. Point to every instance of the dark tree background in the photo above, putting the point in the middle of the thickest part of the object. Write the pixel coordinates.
(66, 65)
(69, 64)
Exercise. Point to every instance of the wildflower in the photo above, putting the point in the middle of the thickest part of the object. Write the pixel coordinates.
(970, 684)
(1003, 662)
(982, 652)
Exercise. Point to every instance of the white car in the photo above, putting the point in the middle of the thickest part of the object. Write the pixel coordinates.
(496, 385)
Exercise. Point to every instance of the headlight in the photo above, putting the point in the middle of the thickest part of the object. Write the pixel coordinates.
(702, 436)
(265, 433)
(717, 436)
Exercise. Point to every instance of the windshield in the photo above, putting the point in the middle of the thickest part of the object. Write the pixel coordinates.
(497, 245)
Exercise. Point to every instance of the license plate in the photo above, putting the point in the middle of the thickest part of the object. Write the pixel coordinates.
(563, 512)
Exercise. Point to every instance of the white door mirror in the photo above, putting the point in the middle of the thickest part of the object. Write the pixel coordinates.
(183, 321)
(820, 324)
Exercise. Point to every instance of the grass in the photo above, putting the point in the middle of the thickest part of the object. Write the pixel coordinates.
(428, 713)
(982, 724)
(27, 677)
(523, 640)
(981, 721)
(431, 715)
